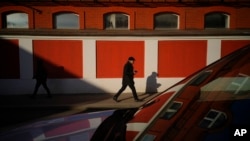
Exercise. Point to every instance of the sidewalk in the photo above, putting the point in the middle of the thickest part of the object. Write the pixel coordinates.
(72, 101)
(20, 109)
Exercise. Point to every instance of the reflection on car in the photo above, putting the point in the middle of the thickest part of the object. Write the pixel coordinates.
(202, 107)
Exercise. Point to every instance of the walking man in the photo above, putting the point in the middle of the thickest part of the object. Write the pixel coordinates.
(41, 78)
(128, 79)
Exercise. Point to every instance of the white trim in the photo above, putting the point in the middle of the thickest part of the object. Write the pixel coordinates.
(151, 57)
(26, 58)
(227, 21)
(89, 59)
(136, 126)
(213, 50)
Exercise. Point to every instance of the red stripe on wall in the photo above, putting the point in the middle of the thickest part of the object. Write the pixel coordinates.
(181, 58)
(112, 55)
(63, 59)
(228, 46)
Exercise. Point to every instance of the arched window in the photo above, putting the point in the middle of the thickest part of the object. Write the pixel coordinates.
(116, 21)
(66, 21)
(216, 20)
(16, 20)
(166, 21)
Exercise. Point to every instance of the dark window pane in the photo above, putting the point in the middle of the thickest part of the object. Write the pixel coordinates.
(220, 121)
(166, 20)
(205, 123)
(175, 106)
(121, 21)
(216, 20)
(213, 119)
(116, 21)
(212, 114)
(66, 21)
(168, 115)
(172, 110)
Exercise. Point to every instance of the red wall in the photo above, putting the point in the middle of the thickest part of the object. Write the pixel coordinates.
(140, 17)
(228, 46)
(242, 18)
(63, 58)
(45, 19)
(112, 55)
(181, 58)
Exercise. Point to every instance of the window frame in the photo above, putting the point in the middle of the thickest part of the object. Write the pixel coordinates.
(167, 28)
(212, 120)
(5, 20)
(227, 20)
(166, 115)
(238, 83)
(55, 24)
(116, 28)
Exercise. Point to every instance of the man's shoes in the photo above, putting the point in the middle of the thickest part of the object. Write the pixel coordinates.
(138, 100)
(115, 99)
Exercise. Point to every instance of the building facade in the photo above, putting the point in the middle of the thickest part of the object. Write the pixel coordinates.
(85, 43)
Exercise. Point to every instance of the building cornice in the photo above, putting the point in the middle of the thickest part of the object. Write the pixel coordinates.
(64, 32)
(126, 3)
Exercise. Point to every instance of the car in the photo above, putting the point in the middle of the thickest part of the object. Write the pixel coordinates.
(205, 106)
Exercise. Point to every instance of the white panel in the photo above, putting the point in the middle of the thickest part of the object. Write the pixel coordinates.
(151, 67)
(26, 58)
(151, 56)
(89, 59)
(213, 50)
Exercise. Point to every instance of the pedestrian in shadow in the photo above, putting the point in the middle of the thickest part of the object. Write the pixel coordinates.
(128, 79)
(41, 79)
(152, 85)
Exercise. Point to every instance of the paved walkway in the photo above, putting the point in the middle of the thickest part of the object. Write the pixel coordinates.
(20, 109)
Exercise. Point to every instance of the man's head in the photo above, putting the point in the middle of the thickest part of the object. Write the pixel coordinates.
(131, 59)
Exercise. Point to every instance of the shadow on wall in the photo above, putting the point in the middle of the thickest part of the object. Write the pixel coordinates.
(152, 85)
(17, 67)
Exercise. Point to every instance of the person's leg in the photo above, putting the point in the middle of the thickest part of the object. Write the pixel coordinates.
(119, 92)
(38, 83)
(46, 88)
(132, 87)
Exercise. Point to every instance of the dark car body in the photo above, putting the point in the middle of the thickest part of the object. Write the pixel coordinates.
(205, 106)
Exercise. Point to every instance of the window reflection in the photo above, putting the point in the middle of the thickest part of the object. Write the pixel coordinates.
(216, 20)
(213, 119)
(166, 20)
(172, 110)
(66, 21)
(17, 20)
(239, 84)
(116, 21)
